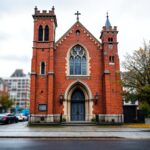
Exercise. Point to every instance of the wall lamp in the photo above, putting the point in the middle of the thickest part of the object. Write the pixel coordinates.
(96, 98)
(61, 98)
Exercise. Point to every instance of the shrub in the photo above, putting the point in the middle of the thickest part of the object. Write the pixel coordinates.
(145, 107)
(93, 119)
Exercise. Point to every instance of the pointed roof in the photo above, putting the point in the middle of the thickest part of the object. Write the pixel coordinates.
(18, 73)
(78, 23)
(107, 24)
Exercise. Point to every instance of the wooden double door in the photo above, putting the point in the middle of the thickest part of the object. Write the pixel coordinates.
(77, 106)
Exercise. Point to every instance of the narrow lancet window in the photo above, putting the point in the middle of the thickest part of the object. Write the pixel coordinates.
(43, 68)
(46, 38)
(40, 33)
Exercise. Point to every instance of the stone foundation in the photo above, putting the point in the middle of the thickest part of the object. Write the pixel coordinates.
(57, 119)
(109, 118)
(45, 119)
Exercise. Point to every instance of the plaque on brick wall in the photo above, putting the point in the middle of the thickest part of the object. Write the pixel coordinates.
(42, 107)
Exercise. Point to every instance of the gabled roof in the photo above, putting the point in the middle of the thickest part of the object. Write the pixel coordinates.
(90, 35)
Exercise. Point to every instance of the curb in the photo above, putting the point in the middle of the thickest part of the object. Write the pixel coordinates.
(65, 137)
(72, 138)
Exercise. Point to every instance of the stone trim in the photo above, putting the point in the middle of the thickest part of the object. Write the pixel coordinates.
(111, 63)
(87, 57)
(78, 77)
(111, 43)
(33, 73)
(88, 100)
(51, 73)
(105, 53)
(87, 32)
(110, 118)
(106, 72)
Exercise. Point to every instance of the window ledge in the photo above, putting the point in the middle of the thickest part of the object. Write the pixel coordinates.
(42, 75)
(111, 63)
(78, 77)
(42, 41)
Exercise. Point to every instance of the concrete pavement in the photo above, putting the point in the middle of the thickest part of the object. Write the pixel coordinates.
(21, 130)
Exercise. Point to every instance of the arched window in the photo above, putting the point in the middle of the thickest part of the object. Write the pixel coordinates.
(43, 68)
(110, 40)
(110, 43)
(40, 33)
(111, 59)
(78, 61)
(46, 36)
(77, 32)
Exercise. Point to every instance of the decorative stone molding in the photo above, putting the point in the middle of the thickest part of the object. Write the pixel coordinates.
(33, 73)
(88, 100)
(51, 73)
(78, 77)
(106, 72)
(85, 31)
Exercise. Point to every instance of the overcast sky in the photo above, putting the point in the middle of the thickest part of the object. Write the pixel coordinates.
(16, 25)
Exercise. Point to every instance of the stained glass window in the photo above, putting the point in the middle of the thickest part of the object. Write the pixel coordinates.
(78, 61)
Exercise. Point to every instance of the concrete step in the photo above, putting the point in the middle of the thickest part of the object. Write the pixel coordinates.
(78, 123)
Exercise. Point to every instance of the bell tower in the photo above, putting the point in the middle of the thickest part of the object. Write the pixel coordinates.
(111, 73)
(42, 68)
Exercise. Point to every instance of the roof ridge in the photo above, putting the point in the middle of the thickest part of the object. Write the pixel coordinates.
(68, 31)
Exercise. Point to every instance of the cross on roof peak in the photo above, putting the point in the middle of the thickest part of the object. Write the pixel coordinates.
(107, 15)
(77, 14)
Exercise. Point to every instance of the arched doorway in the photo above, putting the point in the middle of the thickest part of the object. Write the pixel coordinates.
(77, 106)
(86, 101)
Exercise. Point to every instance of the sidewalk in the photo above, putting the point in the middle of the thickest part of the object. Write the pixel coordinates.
(21, 130)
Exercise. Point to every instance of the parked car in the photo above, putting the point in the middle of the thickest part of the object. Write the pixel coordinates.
(21, 117)
(8, 118)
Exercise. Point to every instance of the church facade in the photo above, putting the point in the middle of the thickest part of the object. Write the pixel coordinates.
(76, 78)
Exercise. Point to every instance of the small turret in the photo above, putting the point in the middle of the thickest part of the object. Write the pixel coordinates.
(107, 24)
(45, 14)
(108, 33)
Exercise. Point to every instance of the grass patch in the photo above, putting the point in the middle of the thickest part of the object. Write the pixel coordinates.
(109, 126)
(126, 125)
(136, 125)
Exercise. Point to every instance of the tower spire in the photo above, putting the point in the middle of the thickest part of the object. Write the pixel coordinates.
(107, 23)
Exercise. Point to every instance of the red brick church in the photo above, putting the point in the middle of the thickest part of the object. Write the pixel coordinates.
(76, 78)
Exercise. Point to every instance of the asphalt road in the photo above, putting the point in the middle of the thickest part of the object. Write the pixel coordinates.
(73, 144)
